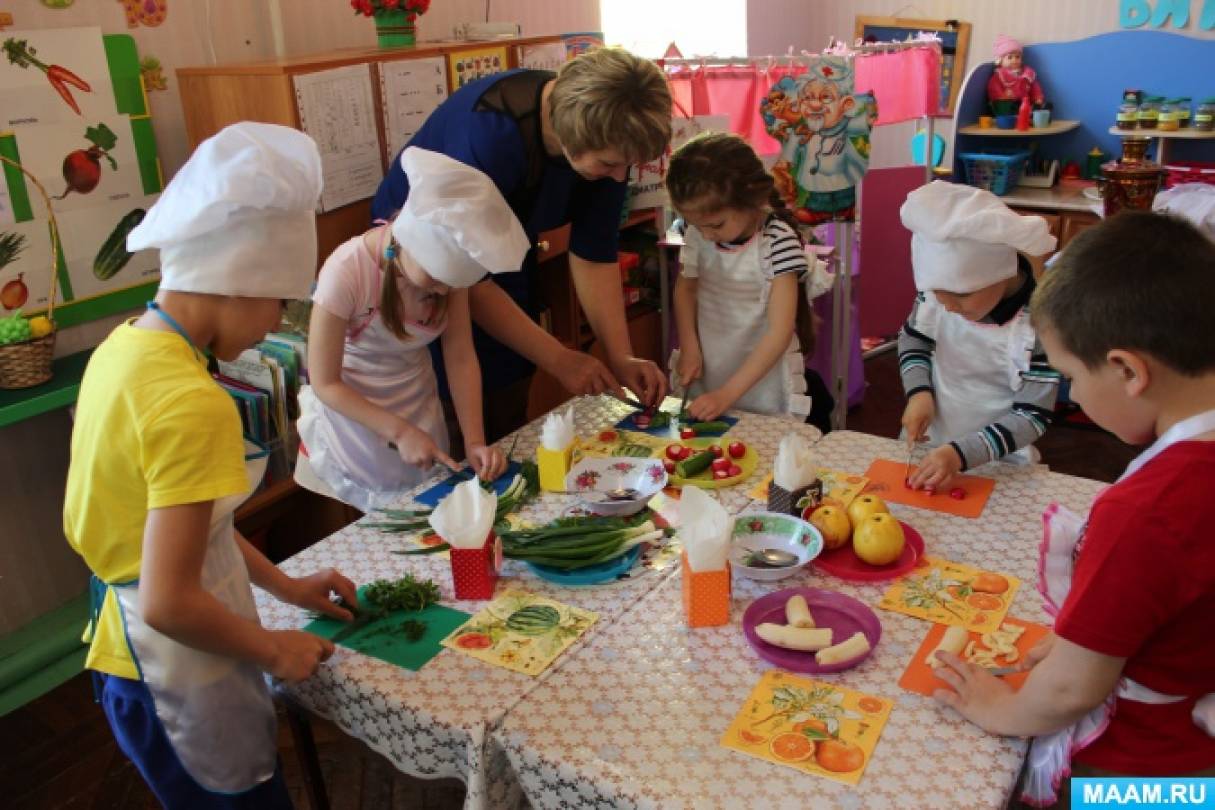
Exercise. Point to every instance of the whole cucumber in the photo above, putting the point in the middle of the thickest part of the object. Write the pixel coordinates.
(703, 428)
(695, 465)
(113, 254)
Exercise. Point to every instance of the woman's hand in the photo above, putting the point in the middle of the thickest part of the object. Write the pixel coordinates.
(642, 377)
(582, 374)
(937, 469)
(312, 592)
(417, 449)
(488, 462)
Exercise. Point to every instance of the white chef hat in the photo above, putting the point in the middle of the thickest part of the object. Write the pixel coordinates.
(964, 239)
(1194, 202)
(455, 223)
(239, 218)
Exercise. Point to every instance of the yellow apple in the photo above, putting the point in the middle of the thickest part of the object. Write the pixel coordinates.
(878, 539)
(833, 524)
(864, 506)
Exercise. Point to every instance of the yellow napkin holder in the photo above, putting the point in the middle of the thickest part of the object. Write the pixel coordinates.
(554, 466)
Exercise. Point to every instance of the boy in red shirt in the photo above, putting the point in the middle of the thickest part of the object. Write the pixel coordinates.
(1126, 684)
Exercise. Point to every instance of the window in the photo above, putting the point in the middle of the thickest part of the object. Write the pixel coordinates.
(698, 27)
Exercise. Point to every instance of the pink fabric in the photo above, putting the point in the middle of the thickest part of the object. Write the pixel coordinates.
(733, 91)
(1006, 45)
(906, 84)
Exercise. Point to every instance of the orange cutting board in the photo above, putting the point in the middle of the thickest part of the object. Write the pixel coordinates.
(887, 480)
(921, 679)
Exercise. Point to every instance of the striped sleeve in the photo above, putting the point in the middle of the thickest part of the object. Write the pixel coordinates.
(916, 347)
(781, 250)
(1031, 414)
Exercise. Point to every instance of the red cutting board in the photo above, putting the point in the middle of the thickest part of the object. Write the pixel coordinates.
(887, 480)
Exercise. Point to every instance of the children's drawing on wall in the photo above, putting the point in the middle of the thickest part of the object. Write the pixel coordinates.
(823, 127)
(153, 74)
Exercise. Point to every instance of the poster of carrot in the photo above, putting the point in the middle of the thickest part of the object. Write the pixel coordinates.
(521, 631)
(53, 76)
(953, 593)
(816, 727)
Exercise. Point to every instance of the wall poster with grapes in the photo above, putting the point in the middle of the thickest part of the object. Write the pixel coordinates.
(74, 114)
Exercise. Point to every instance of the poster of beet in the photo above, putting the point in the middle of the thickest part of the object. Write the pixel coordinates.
(74, 114)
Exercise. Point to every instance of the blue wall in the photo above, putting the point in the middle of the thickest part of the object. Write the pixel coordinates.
(1084, 81)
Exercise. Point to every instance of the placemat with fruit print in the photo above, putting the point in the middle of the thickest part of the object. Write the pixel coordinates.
(952, 593)
(815, 727)
(842, 486)
(520, 631)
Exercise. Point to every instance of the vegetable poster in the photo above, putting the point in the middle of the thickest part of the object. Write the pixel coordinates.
(521, 631)
(818, 728)
(75, 117)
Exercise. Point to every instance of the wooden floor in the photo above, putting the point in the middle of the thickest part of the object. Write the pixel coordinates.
(57, 752)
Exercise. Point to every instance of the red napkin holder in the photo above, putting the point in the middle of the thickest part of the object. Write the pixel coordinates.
(475, 571)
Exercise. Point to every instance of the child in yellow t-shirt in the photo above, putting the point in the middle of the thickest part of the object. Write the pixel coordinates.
(159, 465)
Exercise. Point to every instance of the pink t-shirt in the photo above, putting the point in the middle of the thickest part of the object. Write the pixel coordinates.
(349, 287)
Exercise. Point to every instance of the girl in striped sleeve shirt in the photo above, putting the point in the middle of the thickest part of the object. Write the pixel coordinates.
(743, 316)
(977, 381)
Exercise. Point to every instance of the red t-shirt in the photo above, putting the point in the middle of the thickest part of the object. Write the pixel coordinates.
(1144, 590)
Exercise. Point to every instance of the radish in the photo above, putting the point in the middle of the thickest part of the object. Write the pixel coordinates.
(82, 168)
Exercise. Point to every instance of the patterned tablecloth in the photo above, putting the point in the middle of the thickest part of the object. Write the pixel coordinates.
(435, 723)
(635, 718)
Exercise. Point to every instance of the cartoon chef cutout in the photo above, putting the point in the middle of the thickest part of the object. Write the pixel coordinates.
(825, 149)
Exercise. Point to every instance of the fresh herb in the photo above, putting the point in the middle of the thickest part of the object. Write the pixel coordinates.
(406, 593)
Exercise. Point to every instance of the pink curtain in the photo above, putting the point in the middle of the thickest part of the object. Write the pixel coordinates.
(906, 84)
(733, 91)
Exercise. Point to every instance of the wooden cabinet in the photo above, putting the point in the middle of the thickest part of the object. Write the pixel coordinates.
(215, 96)
(1074, 223)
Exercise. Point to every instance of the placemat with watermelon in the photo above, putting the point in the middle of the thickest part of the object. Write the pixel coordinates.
(521, 631)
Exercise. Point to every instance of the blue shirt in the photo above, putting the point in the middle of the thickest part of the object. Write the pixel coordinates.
(491, 141)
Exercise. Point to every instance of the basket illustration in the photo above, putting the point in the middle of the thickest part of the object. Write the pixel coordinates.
(995, 172)
(28, 362)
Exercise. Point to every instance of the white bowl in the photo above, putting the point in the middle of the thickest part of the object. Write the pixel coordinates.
(759, 530)
(593, 477)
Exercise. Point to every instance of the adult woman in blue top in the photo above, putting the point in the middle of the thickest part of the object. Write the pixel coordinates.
(558, 147)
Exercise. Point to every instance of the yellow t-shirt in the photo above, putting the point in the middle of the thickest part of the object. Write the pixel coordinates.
(152, 430)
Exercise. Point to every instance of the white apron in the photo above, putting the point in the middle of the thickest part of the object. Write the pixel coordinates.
(732, 317)
(354, 462)
(977, 370)
(216, 710)
(1050, 755)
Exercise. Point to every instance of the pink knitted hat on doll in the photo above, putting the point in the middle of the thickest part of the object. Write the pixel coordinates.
(1006, 45)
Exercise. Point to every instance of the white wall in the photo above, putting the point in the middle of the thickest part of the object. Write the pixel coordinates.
(774, 25)
(38, 571)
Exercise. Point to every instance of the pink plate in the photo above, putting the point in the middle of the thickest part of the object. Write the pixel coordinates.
(843, 562)
(843, 614)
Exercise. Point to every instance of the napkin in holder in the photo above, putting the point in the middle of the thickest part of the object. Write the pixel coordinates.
(705, 528)
(795, 482)
(555, 453)
(465, 520)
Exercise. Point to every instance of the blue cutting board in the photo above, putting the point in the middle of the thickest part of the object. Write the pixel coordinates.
(441, 490)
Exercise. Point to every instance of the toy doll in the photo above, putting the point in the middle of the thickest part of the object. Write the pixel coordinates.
(1011, 80)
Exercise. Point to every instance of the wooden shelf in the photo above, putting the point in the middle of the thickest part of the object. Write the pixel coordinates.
(1189, 133)
(1054, 128)
(61, 390)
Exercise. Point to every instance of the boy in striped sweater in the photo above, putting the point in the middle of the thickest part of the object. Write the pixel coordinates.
(977, 381)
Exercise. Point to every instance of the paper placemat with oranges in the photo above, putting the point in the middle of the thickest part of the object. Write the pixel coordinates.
(521, 631)
(840, 486)
(953, 593)
(815, 727)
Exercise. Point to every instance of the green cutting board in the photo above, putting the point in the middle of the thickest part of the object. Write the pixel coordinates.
(394, 647)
